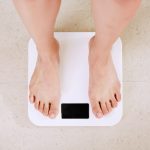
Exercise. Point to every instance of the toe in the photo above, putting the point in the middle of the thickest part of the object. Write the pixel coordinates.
(36, 105)
(113, 102)
(109, 107)
(53, 109)
(96, 109)
(31, 98)
(41, 106)
(103, 108)
(46, 109)
(118, 96)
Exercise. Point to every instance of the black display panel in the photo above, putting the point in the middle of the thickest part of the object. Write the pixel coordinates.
(75, 110)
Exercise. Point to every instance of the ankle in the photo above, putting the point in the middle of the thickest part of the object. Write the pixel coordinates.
(46, 60)
(99, 52)
(48, 49)
(47, 42)
(104, 42)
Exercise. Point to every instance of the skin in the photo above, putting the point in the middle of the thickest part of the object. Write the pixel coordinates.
(104, 85)
(39, 18)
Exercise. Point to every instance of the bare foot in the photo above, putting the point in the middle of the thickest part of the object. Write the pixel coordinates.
(104, 86)
(44, 85)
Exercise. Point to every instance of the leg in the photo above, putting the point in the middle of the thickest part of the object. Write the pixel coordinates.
(110, 17)
(39, 17)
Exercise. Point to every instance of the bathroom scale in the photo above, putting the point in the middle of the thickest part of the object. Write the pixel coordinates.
(74, 107)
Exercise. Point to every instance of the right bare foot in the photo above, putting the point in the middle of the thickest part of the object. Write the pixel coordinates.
(44, 85)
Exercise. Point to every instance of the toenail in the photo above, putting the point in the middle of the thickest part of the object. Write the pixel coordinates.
(99, 115)
(52, 116)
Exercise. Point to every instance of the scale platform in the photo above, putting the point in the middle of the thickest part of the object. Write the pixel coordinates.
(75, 109)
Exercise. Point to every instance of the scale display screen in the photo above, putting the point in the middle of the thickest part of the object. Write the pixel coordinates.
(75, 111)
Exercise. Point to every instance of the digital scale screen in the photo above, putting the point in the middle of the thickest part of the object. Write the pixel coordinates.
(75, 111)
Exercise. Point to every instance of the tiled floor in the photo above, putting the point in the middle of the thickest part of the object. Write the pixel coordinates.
(17, 133)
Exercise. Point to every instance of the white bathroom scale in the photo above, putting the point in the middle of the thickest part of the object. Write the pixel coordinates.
(75, 109)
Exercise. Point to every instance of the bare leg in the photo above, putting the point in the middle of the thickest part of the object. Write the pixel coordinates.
(39, 16)
(110, 17)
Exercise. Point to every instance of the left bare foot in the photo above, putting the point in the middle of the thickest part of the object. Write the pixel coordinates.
(104, 85)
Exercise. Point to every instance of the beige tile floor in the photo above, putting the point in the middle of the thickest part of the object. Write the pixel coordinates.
(17, 133)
